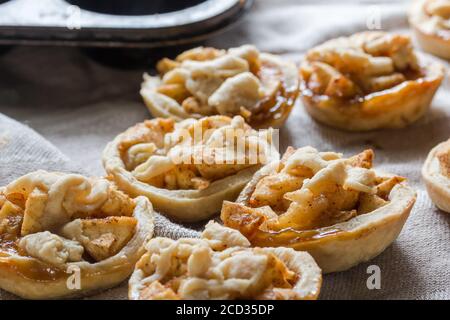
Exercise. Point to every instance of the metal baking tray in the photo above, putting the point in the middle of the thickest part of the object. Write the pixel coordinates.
(115, 23)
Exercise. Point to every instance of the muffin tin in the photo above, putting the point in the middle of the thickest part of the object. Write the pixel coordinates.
(115, 23)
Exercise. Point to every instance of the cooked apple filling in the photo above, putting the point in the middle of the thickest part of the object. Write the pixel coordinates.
(59, 218)
(443, 156)
(220, 265)
(436, 17)
(355, 66)
(207, 81)
(310, 190)
(193, 153)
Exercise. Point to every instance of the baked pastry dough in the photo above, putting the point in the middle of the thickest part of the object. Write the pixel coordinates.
(367, 81)
(221, 265)
(240, 81)
(185, 168)
(339, 210)
(436, 174)
(430, 20)
(54, 226)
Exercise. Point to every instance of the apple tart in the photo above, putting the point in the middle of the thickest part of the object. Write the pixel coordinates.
(436, 174)
(188, 168)
(221, 265)
(430, 20)
(65, 235)
(340, 210)
(367, 81)
(201, 82)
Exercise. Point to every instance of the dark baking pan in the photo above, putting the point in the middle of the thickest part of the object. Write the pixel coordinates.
(115, 23)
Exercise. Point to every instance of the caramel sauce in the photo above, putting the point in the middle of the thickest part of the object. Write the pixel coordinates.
(31, 269)
(442, 33)
(409, 74)
(17, 261)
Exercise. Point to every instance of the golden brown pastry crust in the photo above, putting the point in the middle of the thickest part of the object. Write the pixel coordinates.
(200, 82)
(338, 246)
(184, 204)
(28, 267)
(221, 265)
(390, 98)
(429, 29)
(435, 173)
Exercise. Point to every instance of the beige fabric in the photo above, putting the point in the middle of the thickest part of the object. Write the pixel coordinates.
(79, 106)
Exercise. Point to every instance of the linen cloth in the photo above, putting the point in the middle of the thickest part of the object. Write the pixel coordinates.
(77, 105)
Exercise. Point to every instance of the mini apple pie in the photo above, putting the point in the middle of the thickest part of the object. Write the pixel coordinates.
(200, 82)
(188, 168)
(430, 20)
(338, 209)
(436, 174)
(221, 265)
(64, 235)
(368, 81)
